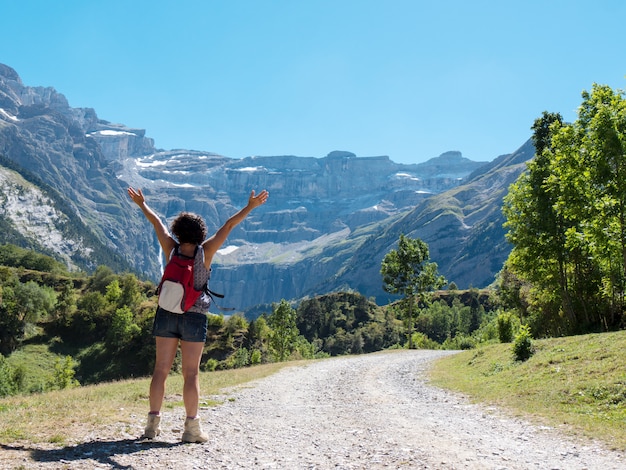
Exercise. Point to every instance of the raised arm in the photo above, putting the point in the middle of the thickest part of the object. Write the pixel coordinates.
(213, 243)
(163, 234)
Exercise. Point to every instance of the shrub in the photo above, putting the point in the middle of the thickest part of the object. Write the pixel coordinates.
(466, 342)
(210, 365)
(459, 342)
(11, 378)
(523, 346)
(421, 341)
(241, 358)
(255, 357)
(64, 374)
(215, 320)
(505, 327)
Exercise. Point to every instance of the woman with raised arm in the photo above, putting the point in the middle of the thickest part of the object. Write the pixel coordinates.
(189, 329)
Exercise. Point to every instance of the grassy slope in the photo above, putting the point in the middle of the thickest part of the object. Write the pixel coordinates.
(577, 383)
(37, 362)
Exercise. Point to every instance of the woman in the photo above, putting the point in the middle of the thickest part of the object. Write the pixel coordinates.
(190, 328)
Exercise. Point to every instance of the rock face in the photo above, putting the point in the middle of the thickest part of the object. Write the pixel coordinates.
(310, 197)
(50, 141)
(462, 227)
(32, 214)
(327, 225)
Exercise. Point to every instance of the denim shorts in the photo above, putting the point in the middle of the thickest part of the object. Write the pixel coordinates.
(188, 326)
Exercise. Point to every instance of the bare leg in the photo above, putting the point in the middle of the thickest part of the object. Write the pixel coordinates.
(191, 355)
(165, 354)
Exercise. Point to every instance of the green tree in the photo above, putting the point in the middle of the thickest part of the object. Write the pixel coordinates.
(11, 326)
(66, 303)
(34, 301)
(310, 318)
(282, 322)
(436, 321)
(131, 292)
(536, 229)
(258, 339)
(476, 312)
(235, 329)
(113, 291)
(123, 329)
(512, 290)
(567, 218)
(101, 279)
(241, 358)
(64, 372)
(11, 255)
(407, 271)
(11, 379)
(602, 127)
(90, 320)
(21, 307)
(458, 314)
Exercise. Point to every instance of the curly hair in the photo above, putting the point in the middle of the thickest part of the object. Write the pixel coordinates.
(188, 227)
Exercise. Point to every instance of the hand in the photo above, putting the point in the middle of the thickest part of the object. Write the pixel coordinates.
(137, 196)
(256, 201)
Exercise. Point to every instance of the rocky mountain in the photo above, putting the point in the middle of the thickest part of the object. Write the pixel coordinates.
(327, 226)
(462, 227)
(48, 143)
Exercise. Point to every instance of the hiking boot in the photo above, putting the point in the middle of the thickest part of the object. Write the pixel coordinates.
(193, 431)
(153, 427)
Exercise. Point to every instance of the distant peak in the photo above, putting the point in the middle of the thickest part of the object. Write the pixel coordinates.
(340, 154)
(451, 155)
(8, 72)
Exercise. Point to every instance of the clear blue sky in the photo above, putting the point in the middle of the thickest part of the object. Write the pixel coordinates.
(409, 79)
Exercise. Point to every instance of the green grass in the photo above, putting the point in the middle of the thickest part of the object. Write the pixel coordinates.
(37, 362)
(66, 416)
(577, 383)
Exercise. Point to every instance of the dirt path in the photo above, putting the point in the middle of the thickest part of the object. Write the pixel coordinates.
(364, 412)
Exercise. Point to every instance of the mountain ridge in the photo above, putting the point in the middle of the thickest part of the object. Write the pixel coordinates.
(312, 237)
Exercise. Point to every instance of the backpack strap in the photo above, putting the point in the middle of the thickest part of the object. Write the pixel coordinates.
(212, 295)
(176, 252)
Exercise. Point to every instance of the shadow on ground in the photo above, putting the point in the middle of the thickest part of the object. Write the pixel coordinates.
(103, 452)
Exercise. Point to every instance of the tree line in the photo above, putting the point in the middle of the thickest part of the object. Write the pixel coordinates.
(100, 325)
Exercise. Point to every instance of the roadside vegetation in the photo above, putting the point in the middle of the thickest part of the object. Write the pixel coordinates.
(78, 411)
(576, 384)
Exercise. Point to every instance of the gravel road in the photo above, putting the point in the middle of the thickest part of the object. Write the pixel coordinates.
(374, 411)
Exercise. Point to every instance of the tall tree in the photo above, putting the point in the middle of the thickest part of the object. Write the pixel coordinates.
(569, 211)
(602, 125)
(282, 321)
(310, 318)
(536, 228)
(407, 271)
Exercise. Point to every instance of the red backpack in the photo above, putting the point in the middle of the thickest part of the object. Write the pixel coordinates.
(177, 293)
